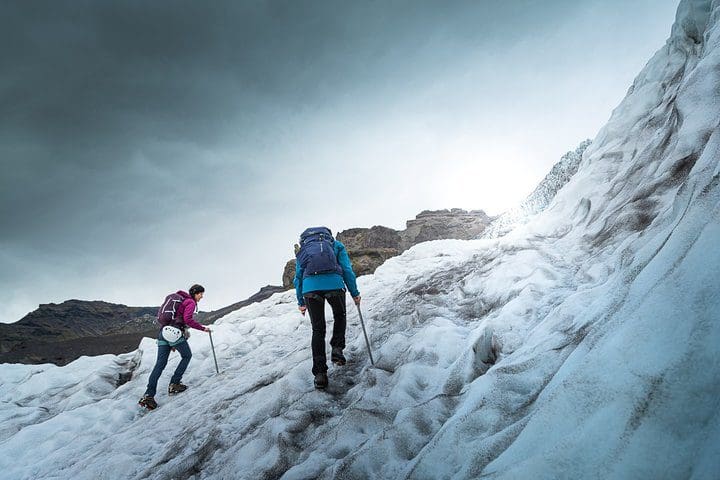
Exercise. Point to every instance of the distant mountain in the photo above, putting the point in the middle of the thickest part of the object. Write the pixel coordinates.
(60, 333)
(71, 320)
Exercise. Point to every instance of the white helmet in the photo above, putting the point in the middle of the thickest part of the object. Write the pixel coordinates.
(171, 334)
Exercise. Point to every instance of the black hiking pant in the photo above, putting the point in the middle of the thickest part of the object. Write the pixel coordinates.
(315, 302)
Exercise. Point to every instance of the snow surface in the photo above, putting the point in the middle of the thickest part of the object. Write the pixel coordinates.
(583, 344)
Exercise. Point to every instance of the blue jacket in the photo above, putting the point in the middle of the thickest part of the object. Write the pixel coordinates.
(327, 281)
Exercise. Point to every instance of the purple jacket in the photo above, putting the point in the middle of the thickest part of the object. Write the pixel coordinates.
(186, 310)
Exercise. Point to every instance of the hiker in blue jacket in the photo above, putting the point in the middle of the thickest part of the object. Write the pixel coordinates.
(322, 271)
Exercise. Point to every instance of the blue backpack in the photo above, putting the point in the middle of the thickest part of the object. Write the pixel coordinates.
(168, 309)
(317, 252)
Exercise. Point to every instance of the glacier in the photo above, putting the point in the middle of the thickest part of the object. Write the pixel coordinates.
(584, 343)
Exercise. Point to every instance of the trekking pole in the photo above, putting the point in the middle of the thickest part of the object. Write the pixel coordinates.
(213, 350)
(367, 342)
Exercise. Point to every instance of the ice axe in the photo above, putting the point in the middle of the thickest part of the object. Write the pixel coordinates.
(212, 346)
(367, 342)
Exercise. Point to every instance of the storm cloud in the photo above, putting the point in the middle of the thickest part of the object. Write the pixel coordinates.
(146, 146)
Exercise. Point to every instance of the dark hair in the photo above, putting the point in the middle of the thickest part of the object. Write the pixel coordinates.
(195, 289)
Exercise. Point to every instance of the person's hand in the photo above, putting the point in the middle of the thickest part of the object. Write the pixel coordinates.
(207, 330)
(357, 300)
(302, 309)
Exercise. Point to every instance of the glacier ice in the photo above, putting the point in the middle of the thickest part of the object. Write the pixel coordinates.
(584, 343)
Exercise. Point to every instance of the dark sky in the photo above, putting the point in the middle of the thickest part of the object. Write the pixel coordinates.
(146, 146)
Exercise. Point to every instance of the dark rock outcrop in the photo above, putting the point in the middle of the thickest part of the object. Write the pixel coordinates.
(370, 247)
(288, 274)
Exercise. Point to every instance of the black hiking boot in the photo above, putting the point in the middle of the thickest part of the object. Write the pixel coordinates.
(148, 402)
(176, 388)
(337, 356)
(321, 381)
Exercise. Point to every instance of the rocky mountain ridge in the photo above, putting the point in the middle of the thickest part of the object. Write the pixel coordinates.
(60, 333)
(74, 319)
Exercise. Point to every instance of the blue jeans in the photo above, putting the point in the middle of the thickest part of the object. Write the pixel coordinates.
(161, 362)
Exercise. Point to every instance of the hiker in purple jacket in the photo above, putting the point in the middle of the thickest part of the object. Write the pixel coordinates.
(182, 319)
(188, 307)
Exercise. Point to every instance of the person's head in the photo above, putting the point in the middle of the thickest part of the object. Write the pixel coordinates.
(196, 292)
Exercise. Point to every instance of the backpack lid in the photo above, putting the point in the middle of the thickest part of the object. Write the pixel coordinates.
(315, 231)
